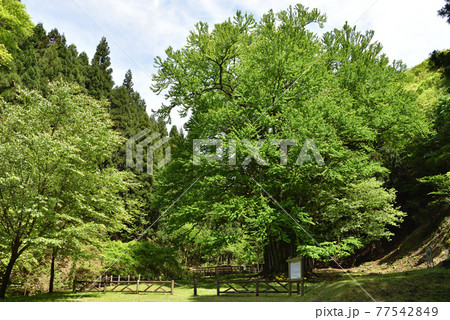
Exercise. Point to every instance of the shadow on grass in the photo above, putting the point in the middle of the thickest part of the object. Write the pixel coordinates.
(63, 296)
(431, 285)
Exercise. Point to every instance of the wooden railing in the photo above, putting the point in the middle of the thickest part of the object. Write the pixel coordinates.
(108, 284)
(258, 286)
(224, 270)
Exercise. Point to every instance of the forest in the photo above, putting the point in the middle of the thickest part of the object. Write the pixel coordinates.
(71, 206)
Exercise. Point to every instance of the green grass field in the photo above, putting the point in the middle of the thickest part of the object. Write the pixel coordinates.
(418, 285)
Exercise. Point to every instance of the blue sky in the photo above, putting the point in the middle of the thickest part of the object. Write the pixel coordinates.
(138, 30)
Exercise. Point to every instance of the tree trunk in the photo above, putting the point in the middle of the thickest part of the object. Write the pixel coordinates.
(7, 274)
(275, 255)
(52, 271)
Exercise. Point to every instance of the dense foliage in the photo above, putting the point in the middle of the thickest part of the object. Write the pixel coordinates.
(15, 24)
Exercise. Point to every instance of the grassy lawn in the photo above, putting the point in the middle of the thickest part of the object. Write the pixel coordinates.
(418, 285)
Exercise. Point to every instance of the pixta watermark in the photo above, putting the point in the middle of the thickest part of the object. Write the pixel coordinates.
(214, 150)
(254, 151)
(146, 144)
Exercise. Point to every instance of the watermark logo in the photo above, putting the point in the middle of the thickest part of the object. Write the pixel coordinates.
(254, 151)
(150, 150)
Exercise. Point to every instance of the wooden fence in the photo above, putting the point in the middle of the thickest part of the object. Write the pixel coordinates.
(224, 270)
(123, 285)
(260, 286)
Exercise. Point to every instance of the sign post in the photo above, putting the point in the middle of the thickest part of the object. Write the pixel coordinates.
(295, 267)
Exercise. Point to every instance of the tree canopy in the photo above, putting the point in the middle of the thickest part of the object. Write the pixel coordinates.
(274, 79)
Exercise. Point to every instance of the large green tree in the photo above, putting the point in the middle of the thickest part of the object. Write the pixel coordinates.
(54, 190)
(270, 80)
